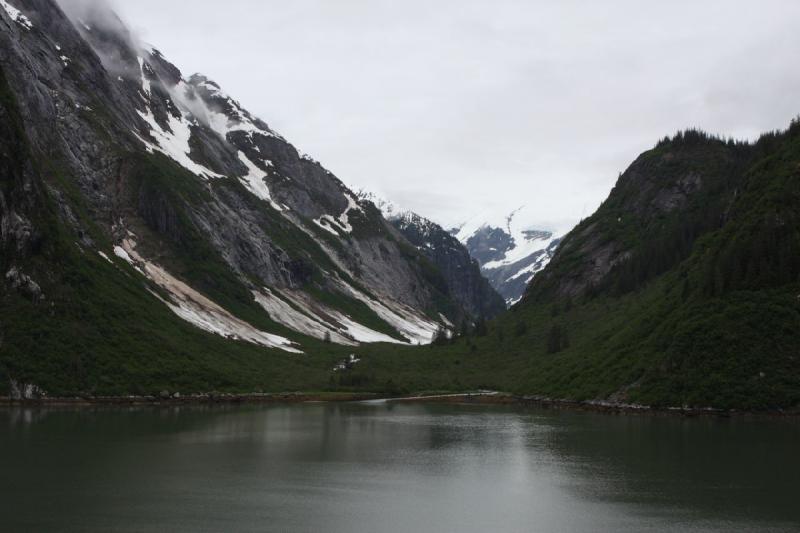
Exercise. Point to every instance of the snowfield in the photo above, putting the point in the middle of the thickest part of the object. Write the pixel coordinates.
(406, 320)
(198, 310)
(298, 311)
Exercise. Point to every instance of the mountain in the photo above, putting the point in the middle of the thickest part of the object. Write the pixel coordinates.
(509, 251)
(153, 230)
(155, 235)
(681, 290)
(462, 275)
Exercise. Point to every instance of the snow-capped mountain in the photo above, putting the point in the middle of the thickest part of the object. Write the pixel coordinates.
(460, 271)
(194, 204)
(510, 250)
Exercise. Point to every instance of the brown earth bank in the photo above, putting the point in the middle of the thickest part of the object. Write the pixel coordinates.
(475, 397)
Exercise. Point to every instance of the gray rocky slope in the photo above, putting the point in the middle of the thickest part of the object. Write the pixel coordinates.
(191, 198)
(460, 271)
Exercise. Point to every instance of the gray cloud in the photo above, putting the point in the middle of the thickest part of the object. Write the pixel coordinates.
(459, 106)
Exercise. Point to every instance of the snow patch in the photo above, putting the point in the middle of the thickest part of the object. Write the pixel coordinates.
(342, 222)
(328, 223)
(146, 89)
(524, 247)
(174, 142)
(283, 313)
(532, 269)
(388, 209)
(198, 310)
(401, 317)
(16, 15)
(254, 181)
(344, 323)
(298, 311)
(120, 252)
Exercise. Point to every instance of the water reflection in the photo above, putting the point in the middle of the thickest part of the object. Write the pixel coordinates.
(391, 467)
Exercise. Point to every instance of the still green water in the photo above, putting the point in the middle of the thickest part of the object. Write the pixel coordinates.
(393, 467)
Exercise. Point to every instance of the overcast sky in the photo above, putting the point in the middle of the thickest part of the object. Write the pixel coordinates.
(453, 107)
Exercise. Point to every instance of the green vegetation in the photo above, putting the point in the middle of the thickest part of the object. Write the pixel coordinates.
(682, 289)
(704, 310)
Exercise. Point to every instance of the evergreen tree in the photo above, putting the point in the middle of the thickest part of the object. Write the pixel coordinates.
(440, 338)
(557, 339)
(481, 328)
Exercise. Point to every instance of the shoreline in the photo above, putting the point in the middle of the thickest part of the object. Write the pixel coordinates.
(188, 399)
(474, 397)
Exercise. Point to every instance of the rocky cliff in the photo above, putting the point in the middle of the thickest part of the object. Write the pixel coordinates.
(125, 181)
(461, 274)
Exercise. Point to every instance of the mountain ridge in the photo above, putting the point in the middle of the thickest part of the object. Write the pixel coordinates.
(169, 194)
(461, 271)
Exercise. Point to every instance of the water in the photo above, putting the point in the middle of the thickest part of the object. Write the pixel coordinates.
(391, 468)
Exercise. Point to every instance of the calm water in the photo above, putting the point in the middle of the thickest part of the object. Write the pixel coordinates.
(389, 467)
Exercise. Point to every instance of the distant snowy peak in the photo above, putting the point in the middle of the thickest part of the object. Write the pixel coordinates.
(400, 217)
(510, 250)
(461, 272)
(388, 209)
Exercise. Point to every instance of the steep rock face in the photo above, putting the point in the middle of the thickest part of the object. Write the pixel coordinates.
(510, 252)
(108, 153)
(459, 274)
(462, 275)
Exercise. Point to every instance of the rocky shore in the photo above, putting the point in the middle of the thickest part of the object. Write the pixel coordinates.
(166, 398)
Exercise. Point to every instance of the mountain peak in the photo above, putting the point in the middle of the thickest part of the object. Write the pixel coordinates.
(510, 249)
